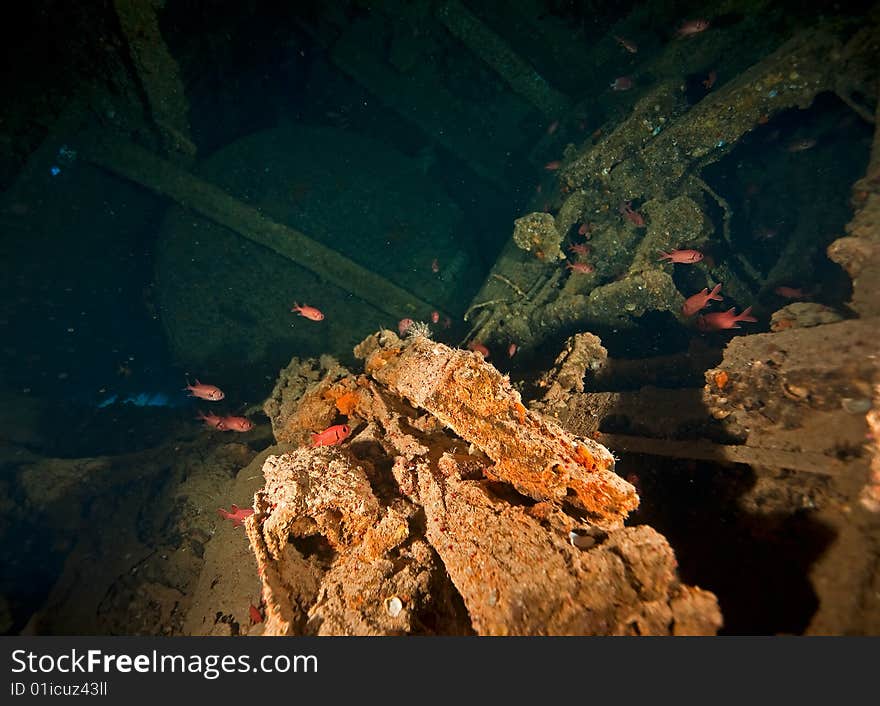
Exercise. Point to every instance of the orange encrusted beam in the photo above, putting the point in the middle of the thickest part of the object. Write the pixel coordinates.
(478, 403)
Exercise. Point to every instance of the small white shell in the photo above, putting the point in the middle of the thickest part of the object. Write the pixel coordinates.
(393, 606)
(580, 541)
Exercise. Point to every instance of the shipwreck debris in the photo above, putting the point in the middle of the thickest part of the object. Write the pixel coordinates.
(479, 404)
(433, 517)
(654, 157)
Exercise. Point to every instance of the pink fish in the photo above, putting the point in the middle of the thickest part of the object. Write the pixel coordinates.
(404, 325)
(621, 83)
(580, 249)
(631, 215)
(211, 420)
(720, 320)
(584, 268)
(630, 46)
(700, 300)
(236, 514)
(511, 350)
(709, 81)
(478, 347)
(331, 435)
(307, 311)
(241, 424)
(692, 27)
(553, 166)
(552, 127)
(435, 317)
(685, 257)
(790, 292)
(212, 393)
(584, 229)
(435, 266)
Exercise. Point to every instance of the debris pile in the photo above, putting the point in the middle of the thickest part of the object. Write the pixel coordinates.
(451, 509)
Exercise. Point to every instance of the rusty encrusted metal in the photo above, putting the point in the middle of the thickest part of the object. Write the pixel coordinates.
(479, 404)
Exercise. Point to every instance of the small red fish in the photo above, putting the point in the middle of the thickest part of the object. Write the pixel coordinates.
(709, 81)
(584, 268)
(435, 266)
(553, 166)
(309, 312)
(621, 83)
(255, 615)
(630, 46)
(724, 319)
(212, 393)
(580, 249)
(631, 214)
(701, 300)
(479, 348)
(211, 420)
(236, 514)
(633, 480)
(552, 127)
(435, 317)
(404, 325)
(511, 350)
(584, 229)
(692, 27)
(241, 424)
(685, 257)
(331, 435)
(790, 292)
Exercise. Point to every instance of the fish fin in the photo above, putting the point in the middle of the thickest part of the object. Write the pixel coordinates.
(731, 310)
(746, 315)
